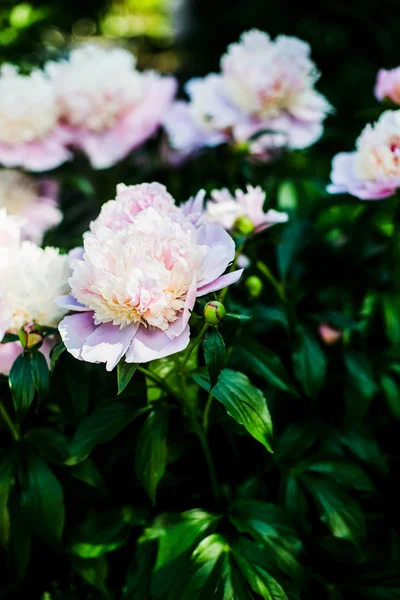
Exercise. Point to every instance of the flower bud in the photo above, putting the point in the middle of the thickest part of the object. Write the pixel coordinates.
(214, 312)
(243, 225)
(30, 336)
(254, 286)
(328, 334)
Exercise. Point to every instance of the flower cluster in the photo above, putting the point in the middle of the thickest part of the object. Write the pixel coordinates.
(96, 101)
(373, 170)
(30, 279)
(263, 97)
(143, 265)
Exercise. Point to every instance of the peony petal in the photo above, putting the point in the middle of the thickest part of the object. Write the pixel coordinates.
(220, 283)
(222, 251)
(151, 344)
(74, 331)
(108, 343)
(70, 303)
(8, 353)
(179, 325)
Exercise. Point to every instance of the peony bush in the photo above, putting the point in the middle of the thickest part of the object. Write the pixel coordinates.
(199, 334)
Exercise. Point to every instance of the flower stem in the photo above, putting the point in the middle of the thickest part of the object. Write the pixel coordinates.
(276, 284)
(196, 342)
(206, 415)
(6, 418)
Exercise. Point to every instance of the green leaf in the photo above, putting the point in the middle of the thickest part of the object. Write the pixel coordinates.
(152, 451)
(22, 385)
(94, 571)
(309, 363)
(287, 196)
(42, 498)
(392, 393)
(341, 472)
(100, 534)
(55, 354)
(361, 374)
(6, 485)
(87, 472)
(205, 569)
(340, 512)
(99, 427)
(40, 374)
(125, 372)
(391, 316)
(244, 402)
(9, 337)
(139, 574)
(214, 353)
(267, 364)
(52, 444)
(293, 240)
(266, 525)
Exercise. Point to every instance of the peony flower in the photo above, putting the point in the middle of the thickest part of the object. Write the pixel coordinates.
(387, 85)
(34, 201)
(371, 172)
(264, 97)
(30, 135)
(225, 209)
(134, 287)
(108, 106)
(30, 279)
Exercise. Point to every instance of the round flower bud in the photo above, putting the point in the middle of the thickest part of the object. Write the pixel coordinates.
(30, 336)
(329, 335)
(254, 286)
(243, 225)
(214, 312)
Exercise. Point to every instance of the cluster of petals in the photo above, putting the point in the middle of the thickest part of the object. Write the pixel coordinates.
(387, 85)
(143, 264)
(225, 209)
(264, 96)
(34, 201)
(95, 101)
(30, 279)
(372, 171)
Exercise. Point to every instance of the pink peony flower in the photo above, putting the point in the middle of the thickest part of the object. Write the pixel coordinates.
(371, 172)
(30, 135)
(33, 201)
(388, 85)
(136, 284)
(108, 107)
(225, 209)
(30, 279)
(329, 334)
(263, 97)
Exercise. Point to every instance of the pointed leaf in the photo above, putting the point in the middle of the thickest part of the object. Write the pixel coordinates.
(125, 372)
(309, 363)
(214, 353)
(22, 385)
(152, 451)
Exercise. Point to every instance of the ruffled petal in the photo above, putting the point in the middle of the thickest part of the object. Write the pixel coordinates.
(74, 331)
(108, 343)
(151, 344)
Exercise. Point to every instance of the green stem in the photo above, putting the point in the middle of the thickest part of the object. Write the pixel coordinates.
(196, 342)
(157, 379)
(210, 464)
(206, 415)
(6, 418)
(276, 284)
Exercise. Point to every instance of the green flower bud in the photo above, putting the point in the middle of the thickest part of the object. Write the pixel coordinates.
(243, 225)
(254, 286)
(30, 337)
(214, 312)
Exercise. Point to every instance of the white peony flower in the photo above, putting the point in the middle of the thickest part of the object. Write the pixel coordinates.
(28, 109)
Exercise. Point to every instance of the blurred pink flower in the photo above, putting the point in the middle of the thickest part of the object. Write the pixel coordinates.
(10, 351)
(30, 134)
(329, 334)
(264, 98)
(388, 85)
(372, 171)
(225, 208)
(134, 288)
(35, 201)
(108, 107)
